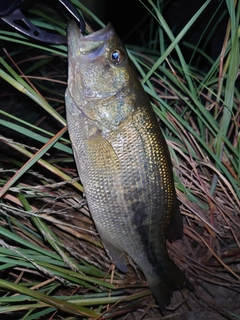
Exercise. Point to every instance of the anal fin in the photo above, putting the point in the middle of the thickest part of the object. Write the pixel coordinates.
(117, 255)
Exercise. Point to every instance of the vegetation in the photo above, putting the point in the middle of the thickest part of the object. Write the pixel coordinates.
(52, 261)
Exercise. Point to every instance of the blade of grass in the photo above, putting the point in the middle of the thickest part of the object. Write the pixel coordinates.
(32, 161)
(46, 165)
(33, 127)
(174, 44)
(33, 135)
(48, 234)
(57, 303)
(14, 37)
(21, 85)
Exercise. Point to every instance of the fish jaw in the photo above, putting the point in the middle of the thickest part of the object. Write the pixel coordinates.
(84, 51)
(79, 44)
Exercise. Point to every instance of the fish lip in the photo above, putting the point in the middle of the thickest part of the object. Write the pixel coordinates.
(104, 97)
(91, 42)
(101, 35)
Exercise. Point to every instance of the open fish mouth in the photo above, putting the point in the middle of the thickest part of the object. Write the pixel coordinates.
(92, 45)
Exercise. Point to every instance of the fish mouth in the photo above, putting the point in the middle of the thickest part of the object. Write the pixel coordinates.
(91, 45)
(103, 96)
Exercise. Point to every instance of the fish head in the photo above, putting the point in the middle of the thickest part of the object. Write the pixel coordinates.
(100, 74)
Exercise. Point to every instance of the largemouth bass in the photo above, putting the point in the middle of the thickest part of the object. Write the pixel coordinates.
(122, 159)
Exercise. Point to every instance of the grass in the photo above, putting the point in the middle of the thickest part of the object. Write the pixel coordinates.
(52, 260)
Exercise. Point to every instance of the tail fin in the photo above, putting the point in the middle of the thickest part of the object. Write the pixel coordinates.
(171, 278)
(161, 292)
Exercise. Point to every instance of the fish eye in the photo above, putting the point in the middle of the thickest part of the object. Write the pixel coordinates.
(117, 56)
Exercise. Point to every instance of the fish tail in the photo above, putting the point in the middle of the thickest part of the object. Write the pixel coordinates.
(170, 278)
(161, 293)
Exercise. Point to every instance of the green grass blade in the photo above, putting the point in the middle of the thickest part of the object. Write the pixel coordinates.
(57, 303)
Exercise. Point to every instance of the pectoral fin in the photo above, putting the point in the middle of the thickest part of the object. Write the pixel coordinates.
(116, 254)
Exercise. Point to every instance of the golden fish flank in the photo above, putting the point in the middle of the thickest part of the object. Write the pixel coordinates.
(122, 159)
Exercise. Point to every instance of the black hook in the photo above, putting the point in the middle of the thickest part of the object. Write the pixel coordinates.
(11, 14)
(68, 5)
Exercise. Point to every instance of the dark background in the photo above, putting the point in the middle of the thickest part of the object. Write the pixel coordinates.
(132, 21)
(176, 12)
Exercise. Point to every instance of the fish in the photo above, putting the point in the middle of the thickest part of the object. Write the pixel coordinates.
(122, 159)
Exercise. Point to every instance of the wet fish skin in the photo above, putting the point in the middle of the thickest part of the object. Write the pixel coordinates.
(122, 159)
